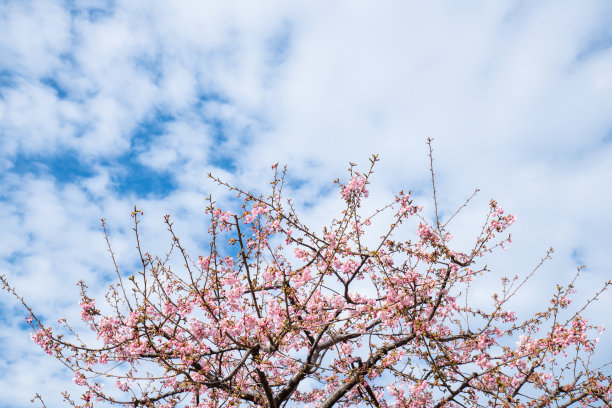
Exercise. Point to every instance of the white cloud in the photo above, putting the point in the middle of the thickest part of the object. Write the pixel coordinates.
(34, 37)
(35, 120)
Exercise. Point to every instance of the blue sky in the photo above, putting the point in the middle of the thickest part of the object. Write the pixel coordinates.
(104, 105)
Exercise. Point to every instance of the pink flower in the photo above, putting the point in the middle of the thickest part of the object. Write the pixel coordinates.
(79, 378)
(354, 189)
(426, 233)
(88, 311)
(204, 262)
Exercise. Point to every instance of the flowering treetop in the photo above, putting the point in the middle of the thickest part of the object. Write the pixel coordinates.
(277, 315)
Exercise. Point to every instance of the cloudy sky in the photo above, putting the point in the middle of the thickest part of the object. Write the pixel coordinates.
(108, 104)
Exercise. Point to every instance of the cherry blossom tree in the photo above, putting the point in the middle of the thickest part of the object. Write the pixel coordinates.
(276, 314)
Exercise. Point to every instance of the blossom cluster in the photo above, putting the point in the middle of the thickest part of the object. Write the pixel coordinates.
(355, 188)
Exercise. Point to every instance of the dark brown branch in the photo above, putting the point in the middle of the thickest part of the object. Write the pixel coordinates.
(453, 394)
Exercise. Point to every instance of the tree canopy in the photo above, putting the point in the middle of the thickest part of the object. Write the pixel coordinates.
(277, 314)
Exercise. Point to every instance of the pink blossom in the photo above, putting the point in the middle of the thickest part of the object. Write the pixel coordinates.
(79, 378)
(355, 188)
